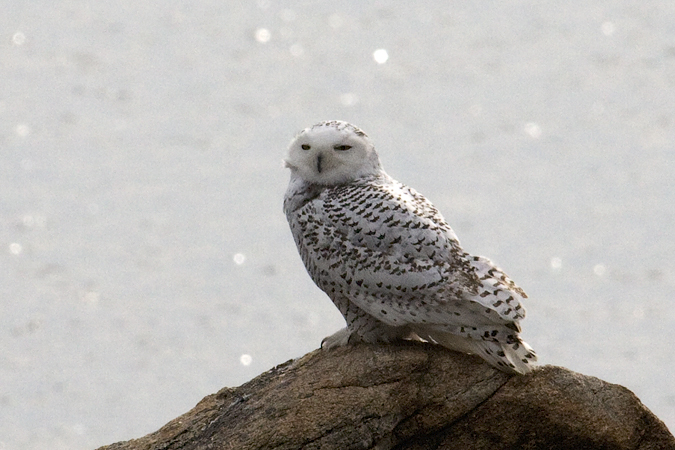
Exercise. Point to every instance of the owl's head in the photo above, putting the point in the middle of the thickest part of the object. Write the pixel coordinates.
(331, 153)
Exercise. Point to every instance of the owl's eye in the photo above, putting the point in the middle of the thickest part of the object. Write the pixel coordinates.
(342, 147)
(305, 147)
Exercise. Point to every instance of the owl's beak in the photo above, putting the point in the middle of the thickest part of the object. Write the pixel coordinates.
(319, 159)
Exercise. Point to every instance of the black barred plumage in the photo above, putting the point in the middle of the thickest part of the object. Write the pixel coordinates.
(389, 260)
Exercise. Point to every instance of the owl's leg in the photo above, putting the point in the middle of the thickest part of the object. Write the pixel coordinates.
(362, 327)
(372, 334)
(338, 339)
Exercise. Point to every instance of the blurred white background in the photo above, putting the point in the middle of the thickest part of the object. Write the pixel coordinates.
(144, 258)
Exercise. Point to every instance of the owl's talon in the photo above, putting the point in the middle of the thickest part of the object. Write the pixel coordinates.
(339, 339)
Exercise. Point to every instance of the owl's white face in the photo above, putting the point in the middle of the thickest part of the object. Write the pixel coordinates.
(331, 153)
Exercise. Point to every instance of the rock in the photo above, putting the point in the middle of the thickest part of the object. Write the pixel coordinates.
(416, 397)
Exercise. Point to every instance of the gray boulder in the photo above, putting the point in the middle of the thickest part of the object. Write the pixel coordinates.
(411, 396)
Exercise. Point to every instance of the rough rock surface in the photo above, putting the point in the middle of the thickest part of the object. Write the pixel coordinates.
(411, 396)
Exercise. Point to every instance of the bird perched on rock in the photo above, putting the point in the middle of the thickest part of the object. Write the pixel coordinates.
(388, 259)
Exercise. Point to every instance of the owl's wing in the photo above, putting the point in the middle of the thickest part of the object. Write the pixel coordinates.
(390, 251)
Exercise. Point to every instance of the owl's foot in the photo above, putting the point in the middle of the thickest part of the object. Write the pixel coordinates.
(339, 339)
(378, 334)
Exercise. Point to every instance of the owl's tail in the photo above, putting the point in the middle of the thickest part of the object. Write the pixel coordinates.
(516, 357)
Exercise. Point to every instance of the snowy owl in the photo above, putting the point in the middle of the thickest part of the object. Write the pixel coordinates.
(388, 259)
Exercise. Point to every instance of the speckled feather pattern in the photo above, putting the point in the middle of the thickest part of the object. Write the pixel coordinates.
(395, 269)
